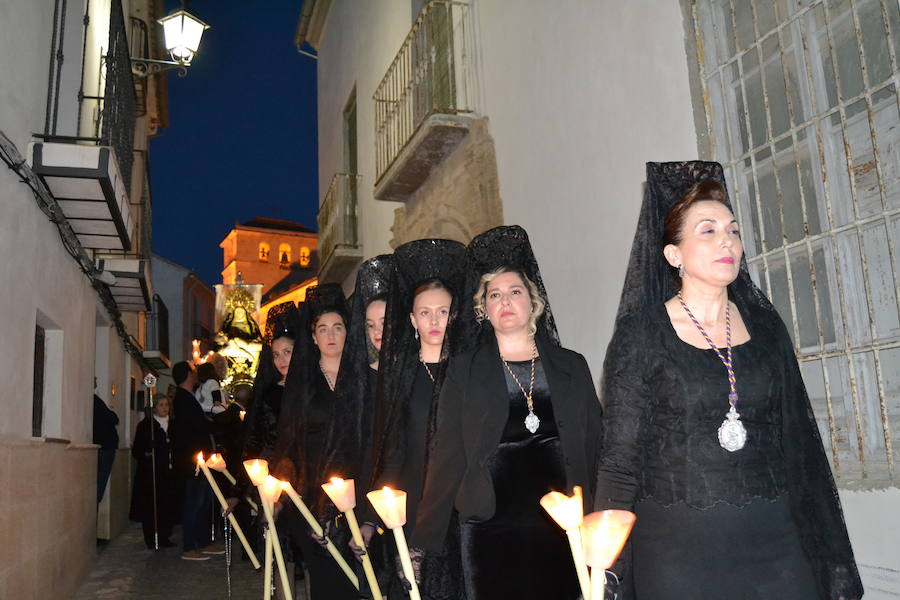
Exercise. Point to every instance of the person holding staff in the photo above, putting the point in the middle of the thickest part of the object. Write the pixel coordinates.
(709, 434)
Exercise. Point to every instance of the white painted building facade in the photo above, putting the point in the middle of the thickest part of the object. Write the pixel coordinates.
(563, 103)
(63, 326)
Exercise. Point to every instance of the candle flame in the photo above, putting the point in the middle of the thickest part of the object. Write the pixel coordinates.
(390, 505)
(342, 492)
(257, 469)
(567, 511)
(200, 457)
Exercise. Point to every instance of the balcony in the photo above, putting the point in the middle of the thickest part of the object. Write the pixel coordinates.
(132, 290)
(425, 104)
(90, 177)
(157, 352)
(339, 247)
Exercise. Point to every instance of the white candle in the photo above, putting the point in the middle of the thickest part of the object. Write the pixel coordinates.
(343, 493)
(317, 529)
(224, 505)
(390, 505)
(568, 512)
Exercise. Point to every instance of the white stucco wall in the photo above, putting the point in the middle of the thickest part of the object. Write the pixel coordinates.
(361, 40)
(580, 95)
(168, 282)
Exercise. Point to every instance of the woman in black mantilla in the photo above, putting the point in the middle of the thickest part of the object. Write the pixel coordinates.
(709, 434)
(424, 296)
(315, 429)
(518, 417)
(261, 419)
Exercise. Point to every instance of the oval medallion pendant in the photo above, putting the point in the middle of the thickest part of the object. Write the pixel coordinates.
(532, 422)
(732, 434)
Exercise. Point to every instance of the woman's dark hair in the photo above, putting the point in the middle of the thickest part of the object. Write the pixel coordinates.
(206, 371)
(707, 190)
(315, 320)
(430, 284)
(376, 298)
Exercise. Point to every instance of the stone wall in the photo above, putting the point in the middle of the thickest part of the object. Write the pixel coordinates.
(460, 199)
(47, 523)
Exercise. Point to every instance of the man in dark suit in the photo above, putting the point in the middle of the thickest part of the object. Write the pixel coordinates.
(191, 433)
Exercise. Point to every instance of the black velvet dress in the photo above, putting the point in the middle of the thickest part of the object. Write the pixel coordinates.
(521, 552)
(711, 524)
(406, 472)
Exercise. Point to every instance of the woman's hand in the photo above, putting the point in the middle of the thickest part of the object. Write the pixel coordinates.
(323, 539)
(232, 503)
(367, 530)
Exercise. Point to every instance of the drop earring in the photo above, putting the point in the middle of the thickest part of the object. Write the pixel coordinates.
(417, 332)
(681, 271)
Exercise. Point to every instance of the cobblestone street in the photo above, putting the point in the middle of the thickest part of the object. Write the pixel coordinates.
(126, 569)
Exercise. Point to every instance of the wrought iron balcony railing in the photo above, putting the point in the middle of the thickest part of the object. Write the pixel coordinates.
(338, 235)
(433, 73)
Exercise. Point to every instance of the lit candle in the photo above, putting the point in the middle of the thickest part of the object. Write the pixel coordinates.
(343, 493)
(242, 414)
(258, 470)
(568, 512)
(317, 529)
(391, 507)
(237, 528)
(604, 534)
(217, 463)
(269, 491)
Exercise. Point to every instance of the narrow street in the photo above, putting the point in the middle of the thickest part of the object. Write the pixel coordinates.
(126, 569)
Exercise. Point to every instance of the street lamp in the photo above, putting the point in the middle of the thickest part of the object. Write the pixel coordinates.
(182, 32)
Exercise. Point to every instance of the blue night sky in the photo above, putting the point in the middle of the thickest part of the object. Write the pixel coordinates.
(241, 140)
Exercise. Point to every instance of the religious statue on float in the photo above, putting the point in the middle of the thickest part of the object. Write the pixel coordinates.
(239, 339)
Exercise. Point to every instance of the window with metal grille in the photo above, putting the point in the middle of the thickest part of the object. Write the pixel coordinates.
(801, 105)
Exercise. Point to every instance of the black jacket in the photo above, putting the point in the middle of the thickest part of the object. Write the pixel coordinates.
(189, 433)
(472, 414)
(105, 421)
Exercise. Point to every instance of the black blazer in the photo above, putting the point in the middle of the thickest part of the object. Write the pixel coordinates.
(190, 433)
(472, 414)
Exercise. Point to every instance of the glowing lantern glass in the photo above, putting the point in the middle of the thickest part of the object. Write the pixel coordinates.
(182, 32)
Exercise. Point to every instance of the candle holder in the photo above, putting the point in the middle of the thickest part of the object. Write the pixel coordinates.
(269, 492)
(317, 529)
(568, 512)
(237, 528)
(343, 493)
(257, 469)
(390, 505)
(604, 534)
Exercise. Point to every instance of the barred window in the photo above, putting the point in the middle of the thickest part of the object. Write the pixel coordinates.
(801, 102)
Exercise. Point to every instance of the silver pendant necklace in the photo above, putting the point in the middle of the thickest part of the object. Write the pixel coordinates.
(732, 433)
(532, 422)
(327, 378)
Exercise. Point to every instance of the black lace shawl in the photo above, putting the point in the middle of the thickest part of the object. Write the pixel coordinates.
(282, 320)
(414, 263)
(813, 495)
(291, 459)
(372, 283)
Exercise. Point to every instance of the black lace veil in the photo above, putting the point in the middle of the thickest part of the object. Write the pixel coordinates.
(290, 459)
(414, 263)
(813, 495)
(504, 246)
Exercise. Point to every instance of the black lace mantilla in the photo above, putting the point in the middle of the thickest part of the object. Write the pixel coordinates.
(630, 415)
(507, 245)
